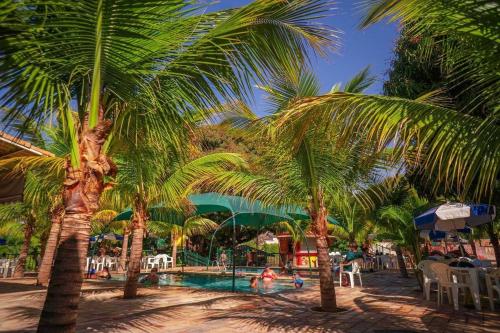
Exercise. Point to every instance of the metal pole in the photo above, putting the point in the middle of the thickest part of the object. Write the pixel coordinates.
(183, 248)
(234, 254)
(212, 240)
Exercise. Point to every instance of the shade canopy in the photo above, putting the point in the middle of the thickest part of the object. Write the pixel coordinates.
(455, 216)
(246, 212)
(108, 236)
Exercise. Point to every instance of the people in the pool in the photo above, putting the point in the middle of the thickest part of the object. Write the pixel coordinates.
(254, 282)
(297, 281)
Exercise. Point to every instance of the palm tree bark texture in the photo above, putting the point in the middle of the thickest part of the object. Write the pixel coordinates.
(401, 261)
(82, 189)
(123, 256)
(29, 227)
(494, 241)
(134, 266)
(51, 246)
(327, 288)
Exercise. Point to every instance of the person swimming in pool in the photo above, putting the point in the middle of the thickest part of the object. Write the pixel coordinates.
(254, 282)
(267, 276)
(297, 281)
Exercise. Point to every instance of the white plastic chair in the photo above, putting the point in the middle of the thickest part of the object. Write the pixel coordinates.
(163, 261)
(428, 275)
(150, 262)
(100, 263)
(356, 270)
(385, 261)
(493, 285)
(7, 267)
(450, 282)
(112, 263)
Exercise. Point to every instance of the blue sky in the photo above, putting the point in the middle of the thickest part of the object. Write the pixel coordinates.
(359, 48)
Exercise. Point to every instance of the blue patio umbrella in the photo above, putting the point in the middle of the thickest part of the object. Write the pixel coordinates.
(435, 235)
(3, 241)
(455, 216)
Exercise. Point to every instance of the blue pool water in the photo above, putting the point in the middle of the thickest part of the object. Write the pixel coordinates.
(223, 283)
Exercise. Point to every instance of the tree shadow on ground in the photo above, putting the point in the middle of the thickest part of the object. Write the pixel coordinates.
(7, 287)
(377, 307)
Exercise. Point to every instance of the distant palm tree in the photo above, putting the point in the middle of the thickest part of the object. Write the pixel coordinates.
(179, 234)
(395, 222)
(44, 186)
(133, 66)
(32, 214)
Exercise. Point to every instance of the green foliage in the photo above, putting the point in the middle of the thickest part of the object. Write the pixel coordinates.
(451, 46)
(395, 218)
(148, 64)
(340, 245)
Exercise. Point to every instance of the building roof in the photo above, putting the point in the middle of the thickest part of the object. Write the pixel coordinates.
(10, 146)
(12, 186)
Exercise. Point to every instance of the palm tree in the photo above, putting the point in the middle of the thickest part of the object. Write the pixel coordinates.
(32, 213)
(457, 150)
(103, 221)
(192, 226)
(166, 179)
(355, 220)
(23, 214)
(304, 169)
(395, 222)
(117, 62)
(43, 188)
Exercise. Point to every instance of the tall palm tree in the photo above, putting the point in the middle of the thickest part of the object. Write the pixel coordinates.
(457, 150)
(120, 61)
(304, 169)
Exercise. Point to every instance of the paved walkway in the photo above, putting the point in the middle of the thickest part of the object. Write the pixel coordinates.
(387, 303)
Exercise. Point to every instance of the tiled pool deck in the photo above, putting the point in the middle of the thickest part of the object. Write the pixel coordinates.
(387, 303)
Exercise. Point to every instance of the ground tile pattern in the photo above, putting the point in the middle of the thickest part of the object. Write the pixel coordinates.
(385, 304)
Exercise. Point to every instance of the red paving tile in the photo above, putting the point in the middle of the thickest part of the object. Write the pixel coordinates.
(387, 302)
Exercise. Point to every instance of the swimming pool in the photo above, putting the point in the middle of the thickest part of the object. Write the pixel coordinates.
(217, 282)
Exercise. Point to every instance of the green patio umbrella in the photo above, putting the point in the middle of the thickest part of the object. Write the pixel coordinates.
(243, 212)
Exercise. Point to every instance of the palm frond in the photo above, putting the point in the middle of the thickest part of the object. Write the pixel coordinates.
(459, 150)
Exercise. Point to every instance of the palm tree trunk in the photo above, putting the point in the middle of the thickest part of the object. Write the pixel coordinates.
(174, 250)
(123, 255)
(401, 262)
(327, 288)
(21, 261)
(50, 247)
(82, 190)
(134, 264)
(494, 242)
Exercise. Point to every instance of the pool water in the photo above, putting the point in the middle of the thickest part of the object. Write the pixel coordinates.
(212, 282)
